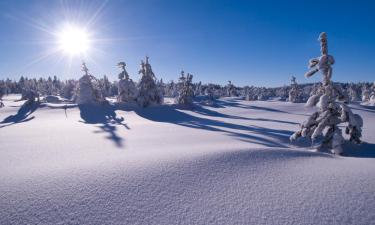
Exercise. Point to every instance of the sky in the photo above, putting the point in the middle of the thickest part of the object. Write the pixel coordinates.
(261, 43)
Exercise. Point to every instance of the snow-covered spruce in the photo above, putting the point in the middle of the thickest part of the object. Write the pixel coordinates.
(29, 91)
(353, 93)
(127, 91)
(171, 89)
(211, 92)
(372, 95)
(88, 91)
(149, 94)
(365, 93)
(185, 89)
(331, 113)
(2, 93)
(198, 89)
(68, 88)
(282, 93)
(295, 94)
(231, 90)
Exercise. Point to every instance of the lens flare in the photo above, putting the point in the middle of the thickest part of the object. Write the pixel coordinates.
(74, 40)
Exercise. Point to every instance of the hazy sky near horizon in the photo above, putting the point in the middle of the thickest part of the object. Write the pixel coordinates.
(248, 42)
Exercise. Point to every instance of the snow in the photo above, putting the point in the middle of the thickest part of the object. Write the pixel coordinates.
(230, 163)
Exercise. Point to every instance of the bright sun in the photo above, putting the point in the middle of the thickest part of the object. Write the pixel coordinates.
(73, 40)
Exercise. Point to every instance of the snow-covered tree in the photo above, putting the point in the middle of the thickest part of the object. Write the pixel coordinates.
(2, 93)
(185, 89)
(365, 93)
(263, 94)
(372, 94)
(231, 90)
(161, 86)
(210, 92)
(171, 89)
(198, 89)
(106, 86)
(149, 94)
(127, 91)
(282, 93)
(68, 88)
(295, 94)
(331, 112)
(89, 90)
(353, 93)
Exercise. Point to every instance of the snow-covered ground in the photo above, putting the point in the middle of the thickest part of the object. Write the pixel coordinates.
(231, 163)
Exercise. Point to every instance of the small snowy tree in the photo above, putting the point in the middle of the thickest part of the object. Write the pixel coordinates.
(67, 90)
(198, 89)
(127, 91)
(331, 113)
(365, 93)
(282, 93)
(353, 93)
(263, 94)
(185, 89)
(106, 86)
(2, 93)
(89, 90)
(149, 94)
(295, 94)
(231, 90)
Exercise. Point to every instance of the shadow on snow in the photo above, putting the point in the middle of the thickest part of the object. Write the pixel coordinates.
(364, 150)
(104, 115)
(23, 115)
(252, 134)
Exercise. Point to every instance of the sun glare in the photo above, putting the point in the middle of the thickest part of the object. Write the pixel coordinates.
(74, 40)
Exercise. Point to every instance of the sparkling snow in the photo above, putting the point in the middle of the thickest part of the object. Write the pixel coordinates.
(231, 163)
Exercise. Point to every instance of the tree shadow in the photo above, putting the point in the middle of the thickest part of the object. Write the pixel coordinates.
(237, 102)
(252, 134)
(104, 115)
(366, 108)
(23, 115)
(207, 112)
(363, 150)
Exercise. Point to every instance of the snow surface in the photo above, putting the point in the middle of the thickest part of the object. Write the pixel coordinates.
(230, 163)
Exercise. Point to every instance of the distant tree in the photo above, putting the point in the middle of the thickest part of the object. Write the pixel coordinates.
(231, 90)
(2, 93)
(127, 91)
(295, 93)
(149, 94)
(185, 89)
(365, 93)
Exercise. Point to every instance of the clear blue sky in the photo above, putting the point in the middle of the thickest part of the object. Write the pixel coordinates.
(248, 42)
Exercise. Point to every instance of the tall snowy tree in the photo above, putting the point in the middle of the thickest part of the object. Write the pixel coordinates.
(185, 89)
(127, 91)
(149, 94)
(331, 112)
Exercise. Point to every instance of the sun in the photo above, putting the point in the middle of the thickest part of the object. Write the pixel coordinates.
(73, 40)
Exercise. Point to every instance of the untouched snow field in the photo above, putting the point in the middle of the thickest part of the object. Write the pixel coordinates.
(231, 163)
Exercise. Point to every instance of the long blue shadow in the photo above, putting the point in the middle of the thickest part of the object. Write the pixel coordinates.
(252, 134)
(22, 115)
(104, 115)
